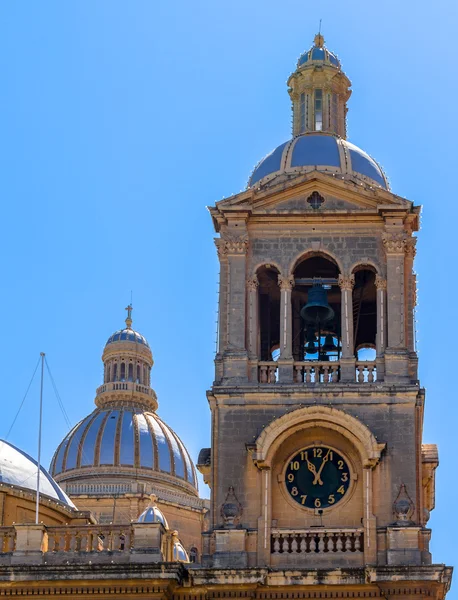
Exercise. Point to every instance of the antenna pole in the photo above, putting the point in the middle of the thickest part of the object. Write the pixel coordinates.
(37, 508)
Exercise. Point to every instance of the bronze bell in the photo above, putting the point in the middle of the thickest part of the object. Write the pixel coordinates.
(317, 308)
(329, 345)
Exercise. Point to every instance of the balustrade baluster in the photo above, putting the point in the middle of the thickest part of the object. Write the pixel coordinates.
(293, 545)
(325, 374)
(339, 542)
(276, 543)
(348, 543)
(321, 542)
(308, 374)
(298, 374)
(370, 376)
(303, 544)
(360, 373)
(263, 374)
(357, 542)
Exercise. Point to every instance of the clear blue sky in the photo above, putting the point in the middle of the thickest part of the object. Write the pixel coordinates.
(120, 121)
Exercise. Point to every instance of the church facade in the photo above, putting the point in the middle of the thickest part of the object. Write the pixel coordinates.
(321, 485)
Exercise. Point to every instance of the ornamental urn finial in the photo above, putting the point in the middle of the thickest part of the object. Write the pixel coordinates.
(403, 507)
(231, 510)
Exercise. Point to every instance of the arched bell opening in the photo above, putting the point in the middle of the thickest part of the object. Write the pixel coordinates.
(364, 310)
(269, 312)
(366, 352)
(316, 301)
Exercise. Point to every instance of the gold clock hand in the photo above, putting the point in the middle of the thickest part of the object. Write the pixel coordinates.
(318, 475)
(310, 465)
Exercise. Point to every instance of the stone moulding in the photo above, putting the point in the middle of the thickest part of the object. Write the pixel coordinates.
(317, 416)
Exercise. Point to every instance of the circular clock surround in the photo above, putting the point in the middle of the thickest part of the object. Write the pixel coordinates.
(317, 477)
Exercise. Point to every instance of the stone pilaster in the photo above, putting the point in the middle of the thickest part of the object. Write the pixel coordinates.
(347, 361)
(396, 358)
(380, 284)
(235, 354)
(252, 285)
(285, 362)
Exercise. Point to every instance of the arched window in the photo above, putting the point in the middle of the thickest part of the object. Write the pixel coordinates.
(115, 372)
(123, 371)
(193, 555)
(107, 373)
(138, 379)
(130, 376)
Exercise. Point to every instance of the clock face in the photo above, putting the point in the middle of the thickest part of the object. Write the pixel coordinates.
(317, 477)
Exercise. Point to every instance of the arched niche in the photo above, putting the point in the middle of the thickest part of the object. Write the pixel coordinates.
(269, 310)
(357, 433)
(309, 269)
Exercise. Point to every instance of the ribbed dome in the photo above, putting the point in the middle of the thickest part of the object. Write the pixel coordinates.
(318, 54)
(18, 469)
(121, 440)
(127, 335)
(321, 152)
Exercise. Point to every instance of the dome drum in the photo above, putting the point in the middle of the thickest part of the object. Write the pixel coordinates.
(118, 392)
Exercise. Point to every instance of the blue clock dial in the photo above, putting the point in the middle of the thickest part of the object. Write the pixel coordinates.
(317, 477)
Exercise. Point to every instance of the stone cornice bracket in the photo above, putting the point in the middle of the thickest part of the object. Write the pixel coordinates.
(410, 247)
(346, 282)
(380, 283)
(394, 243)
(252, 284)
(286, 282)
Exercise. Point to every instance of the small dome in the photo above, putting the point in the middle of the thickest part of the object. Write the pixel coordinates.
(319, 152)
(123, 441)
(18, 469)
(179, 553)
(318, 54)
(152, 514)
(127, 335)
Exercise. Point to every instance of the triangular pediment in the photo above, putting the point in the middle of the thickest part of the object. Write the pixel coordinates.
(289, 196)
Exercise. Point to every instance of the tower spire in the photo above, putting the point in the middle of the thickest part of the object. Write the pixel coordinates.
(129, 316)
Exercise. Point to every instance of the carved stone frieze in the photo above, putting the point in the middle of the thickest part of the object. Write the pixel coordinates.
(252, 284)
(286, 282)
(394, 243)
(346, 282)
(380, 282)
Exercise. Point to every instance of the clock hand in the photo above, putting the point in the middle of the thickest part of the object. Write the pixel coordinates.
(317, 475)
(310, 465)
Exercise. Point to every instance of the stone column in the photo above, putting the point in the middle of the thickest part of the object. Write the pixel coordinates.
(396, 358)
(369, 520)
(380, 285)
(252, 285)
(285, 362)
(347, 360)
(235, 354)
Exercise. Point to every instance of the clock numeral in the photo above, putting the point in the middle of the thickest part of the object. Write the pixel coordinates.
(341, 464)
(331, 499)
(317, 503)
(294, 491)
(344, 477)
(341, 490)
(294, 466)
(303, 498)
(290, 477)
(317, 452)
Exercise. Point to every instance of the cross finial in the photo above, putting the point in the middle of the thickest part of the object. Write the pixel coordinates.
(129, 316)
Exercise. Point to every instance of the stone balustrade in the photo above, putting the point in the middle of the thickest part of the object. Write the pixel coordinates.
(317, 372)
(90, 539)
(316, 541)
(128, 386)
(267, 372)
(366, 371)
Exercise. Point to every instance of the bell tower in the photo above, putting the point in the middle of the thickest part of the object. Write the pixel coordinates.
(317, 463)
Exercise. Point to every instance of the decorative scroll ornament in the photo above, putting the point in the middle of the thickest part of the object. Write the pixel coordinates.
(411, 250)
(252, 284)
(231, 510)
(403, 507)
(346, 282)
(286, 283)
(394, 243)
(380, 282)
